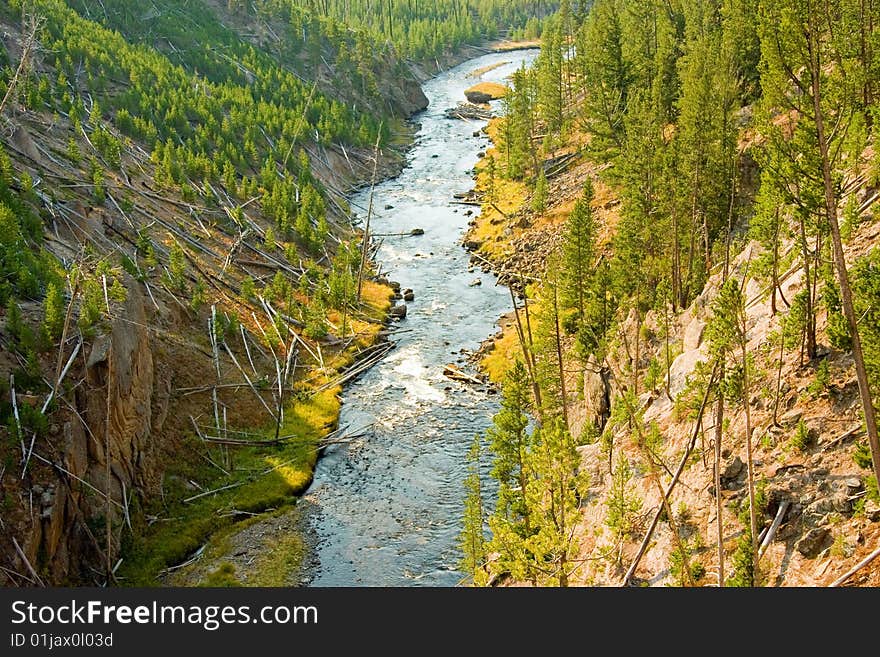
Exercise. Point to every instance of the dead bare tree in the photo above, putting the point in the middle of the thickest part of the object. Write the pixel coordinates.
(366, 240)
(30, 29)
(662, 508)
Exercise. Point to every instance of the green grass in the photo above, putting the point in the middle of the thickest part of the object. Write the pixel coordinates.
(267, 478)
(264, 478)
(224, 576)
(280, 557)
(275, 565)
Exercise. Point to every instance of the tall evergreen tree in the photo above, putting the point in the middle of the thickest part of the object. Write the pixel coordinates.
(553, 497)
(579, 252)
(605, 78)
(472, 540)
(510, 442)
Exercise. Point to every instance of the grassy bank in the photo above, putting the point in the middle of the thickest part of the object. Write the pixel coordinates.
(245, 483)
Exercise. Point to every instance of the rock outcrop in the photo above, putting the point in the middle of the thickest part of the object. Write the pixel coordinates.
(109, 432)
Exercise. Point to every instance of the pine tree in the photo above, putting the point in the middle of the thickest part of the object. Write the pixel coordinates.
(769, 228)
(548, 70)
(539, 195)
(808, 52)
(248, 290)
(549, 321)
(519, 107)
(605, 76)
(727, 336)
(553, 498)
(622, 503)
(510, 443)
(578, 252)
(472, 540)
(54, 310)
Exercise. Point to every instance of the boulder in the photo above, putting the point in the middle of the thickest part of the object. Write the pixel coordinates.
(483, 92)
(25, 143)
(813, 542)
(819, 508)
(415, 232)
(477, 97)
(409, 295)
(693, 334)
(791, 417)
(872, 511)
(475, 282)
(853, 485)
(398, 311)
(683, 367)
(733, 469)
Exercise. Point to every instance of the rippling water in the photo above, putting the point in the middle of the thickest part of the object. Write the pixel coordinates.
(386, 509)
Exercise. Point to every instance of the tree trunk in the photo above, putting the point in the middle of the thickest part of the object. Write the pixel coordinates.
(529, 358)
(559, 359)
(840, 266)
(753, 512)
(809, 319)
(719, 421)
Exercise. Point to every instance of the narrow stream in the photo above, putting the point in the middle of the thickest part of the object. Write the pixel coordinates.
(386, 508)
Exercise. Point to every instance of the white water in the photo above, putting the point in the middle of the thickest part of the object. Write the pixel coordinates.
(387, 508)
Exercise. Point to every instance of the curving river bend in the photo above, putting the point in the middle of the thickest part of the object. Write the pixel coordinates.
(385, 510)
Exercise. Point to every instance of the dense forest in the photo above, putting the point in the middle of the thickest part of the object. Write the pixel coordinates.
(699, 153)
(173, 209)
(679, 195)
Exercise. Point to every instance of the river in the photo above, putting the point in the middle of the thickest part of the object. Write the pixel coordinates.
(385, 510)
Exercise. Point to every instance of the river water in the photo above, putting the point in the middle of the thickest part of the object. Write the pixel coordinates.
(385, 510)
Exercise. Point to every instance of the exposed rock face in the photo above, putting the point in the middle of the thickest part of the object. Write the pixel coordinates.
(594, 463)
(733, 469)
(597, 393)
(410, 99)
(813, 542)
(693, 334)
(117, 405)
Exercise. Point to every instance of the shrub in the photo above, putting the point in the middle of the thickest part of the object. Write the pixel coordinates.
(862, 455)
(823, 378)
(801, 437)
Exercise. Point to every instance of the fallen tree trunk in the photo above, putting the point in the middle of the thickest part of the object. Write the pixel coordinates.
(852, 571)
(454, 373)
(684, 459)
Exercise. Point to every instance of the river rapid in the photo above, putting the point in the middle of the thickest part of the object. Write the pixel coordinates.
(385, 510)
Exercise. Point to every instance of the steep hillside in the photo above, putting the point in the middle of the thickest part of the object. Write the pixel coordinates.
(810, 449)
(686, 394)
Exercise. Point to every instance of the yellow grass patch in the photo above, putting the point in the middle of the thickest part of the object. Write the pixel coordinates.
(509, 197)
(506, 350)
(477, 72)
(492, 89)
(504, 46)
